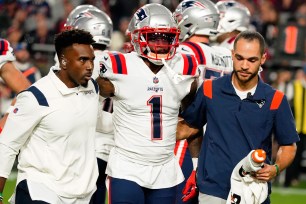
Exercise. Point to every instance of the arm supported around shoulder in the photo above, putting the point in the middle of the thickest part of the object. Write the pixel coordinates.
(184, 131)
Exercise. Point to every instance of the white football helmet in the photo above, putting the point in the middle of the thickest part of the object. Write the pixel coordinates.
(75, 12)
(97, 23)
(233, 16)
(199, 17)
(154, 33)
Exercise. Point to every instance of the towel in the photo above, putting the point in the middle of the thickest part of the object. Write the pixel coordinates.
(244, 188)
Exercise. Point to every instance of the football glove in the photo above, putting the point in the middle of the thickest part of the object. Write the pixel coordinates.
(190, 190)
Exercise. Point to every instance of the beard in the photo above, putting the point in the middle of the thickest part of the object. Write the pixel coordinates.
(245, 79)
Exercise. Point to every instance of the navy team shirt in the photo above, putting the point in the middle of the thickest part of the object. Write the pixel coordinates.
(234, 128)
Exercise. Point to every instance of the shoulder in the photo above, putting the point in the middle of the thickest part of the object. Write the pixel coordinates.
(200, 50)
(113, 62)
(185, 64)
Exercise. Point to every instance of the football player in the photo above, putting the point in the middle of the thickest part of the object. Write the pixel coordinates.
(148, 86)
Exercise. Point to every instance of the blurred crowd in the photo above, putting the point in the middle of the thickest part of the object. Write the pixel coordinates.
(30, 26)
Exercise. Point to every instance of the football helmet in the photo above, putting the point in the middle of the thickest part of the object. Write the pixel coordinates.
(154, 33)
(199, 17)
(75, 12)
(127, 46)
(97, 23)
(233, 16)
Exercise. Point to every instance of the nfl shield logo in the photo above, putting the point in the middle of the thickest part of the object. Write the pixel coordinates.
(155, 80)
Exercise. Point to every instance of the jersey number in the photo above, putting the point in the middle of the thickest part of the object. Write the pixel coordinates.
(155, 102)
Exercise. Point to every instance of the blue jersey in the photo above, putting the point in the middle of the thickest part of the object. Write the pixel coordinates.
(235, 127)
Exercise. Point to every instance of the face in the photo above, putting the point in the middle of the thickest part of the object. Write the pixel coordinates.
(247, 61)
(79, 64)
(159, 43)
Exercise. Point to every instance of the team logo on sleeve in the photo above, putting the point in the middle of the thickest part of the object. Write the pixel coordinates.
(15, 110)
(102, 68)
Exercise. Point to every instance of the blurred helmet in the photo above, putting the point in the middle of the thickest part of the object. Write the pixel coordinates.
(97, 23)
(233, 16)
(154, 33)
(223, 5)
(75, 12)
(128, 46)
(196, 17)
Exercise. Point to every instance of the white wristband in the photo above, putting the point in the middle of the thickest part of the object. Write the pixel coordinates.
(10, 109)
(195, 163)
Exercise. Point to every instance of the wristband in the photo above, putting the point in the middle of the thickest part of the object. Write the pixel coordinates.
(194, 163)
(277, 169)
(1, 197)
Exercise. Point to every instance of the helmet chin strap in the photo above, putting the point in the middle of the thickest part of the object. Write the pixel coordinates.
(175, 77)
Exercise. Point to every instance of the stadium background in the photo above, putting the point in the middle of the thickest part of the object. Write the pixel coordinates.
(31, 25)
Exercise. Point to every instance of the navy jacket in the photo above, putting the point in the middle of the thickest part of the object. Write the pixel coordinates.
(235, 127)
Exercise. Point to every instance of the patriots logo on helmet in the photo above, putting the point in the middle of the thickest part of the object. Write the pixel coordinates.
(84, 14)
(141, 14)
(189, 4)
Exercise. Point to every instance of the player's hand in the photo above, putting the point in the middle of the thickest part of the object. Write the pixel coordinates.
(190, 190)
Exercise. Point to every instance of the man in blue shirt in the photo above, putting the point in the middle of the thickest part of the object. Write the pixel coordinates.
(241, 113)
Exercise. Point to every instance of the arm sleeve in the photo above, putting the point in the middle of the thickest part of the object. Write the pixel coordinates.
(285, 129)
(17, 130)
(195, 113)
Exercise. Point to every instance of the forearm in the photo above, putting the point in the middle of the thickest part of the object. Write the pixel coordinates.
(285, 156)
(194, 144)
(106, 87)
(2, 184)
(14, 78)
(184, 131)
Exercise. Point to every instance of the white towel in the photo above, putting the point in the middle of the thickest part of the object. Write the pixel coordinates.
(244, 188)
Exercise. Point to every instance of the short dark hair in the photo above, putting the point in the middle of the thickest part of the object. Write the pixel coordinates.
(66, 38)
(250, 36)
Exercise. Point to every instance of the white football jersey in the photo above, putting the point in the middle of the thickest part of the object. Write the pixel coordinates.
(146, 107)
(213, 61)
(6, 52)
(228, 43)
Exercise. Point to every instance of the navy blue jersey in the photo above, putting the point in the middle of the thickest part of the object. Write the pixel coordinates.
(235, 127)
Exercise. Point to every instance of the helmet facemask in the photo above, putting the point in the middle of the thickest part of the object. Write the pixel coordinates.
(156, 43)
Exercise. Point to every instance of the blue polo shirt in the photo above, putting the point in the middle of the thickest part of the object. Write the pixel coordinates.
(234, 128)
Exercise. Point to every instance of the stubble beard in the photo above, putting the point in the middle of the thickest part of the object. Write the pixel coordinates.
(245, 80)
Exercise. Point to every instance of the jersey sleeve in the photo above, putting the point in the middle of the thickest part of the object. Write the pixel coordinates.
(18, 128)
(6, 52)
(185, 65)
(111, 64)
(285, 129)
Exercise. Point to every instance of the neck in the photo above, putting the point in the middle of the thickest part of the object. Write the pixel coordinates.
(226, 36)
(63, 77)
(153, 67)
(244, 85)
(199, 38)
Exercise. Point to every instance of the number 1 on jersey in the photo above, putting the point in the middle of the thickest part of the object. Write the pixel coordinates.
(155, 102)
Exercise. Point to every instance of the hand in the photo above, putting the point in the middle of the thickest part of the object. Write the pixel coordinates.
(267, 173)
(190, 190)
